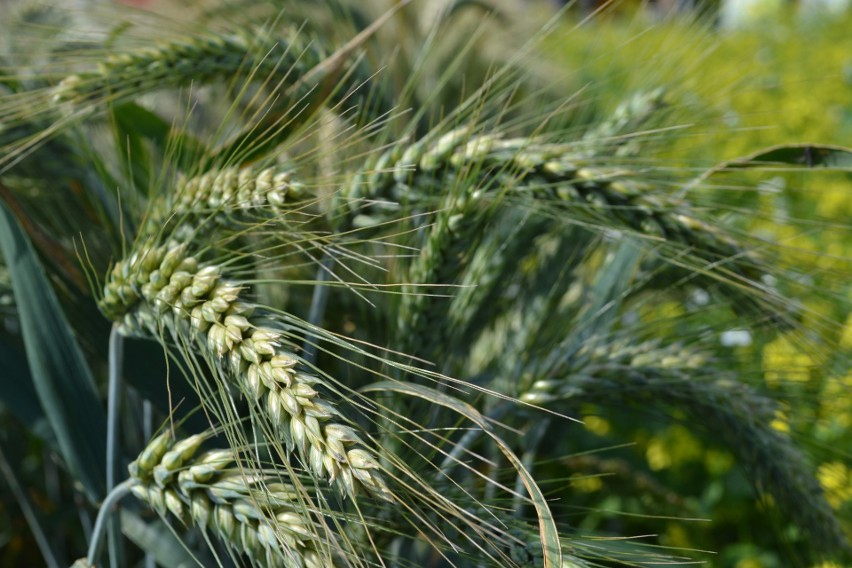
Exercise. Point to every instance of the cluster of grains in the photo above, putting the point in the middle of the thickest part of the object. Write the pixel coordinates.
(262, 520)
(595, 361)
(527, 167)
(220, 195)
(453, 234)
(608, 137)
(619, 373)
(181, 62)
(492, 265)
(163, 286)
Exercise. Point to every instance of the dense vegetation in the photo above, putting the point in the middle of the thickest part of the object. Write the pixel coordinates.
(423, 284)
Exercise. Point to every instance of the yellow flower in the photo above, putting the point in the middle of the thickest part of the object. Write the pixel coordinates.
(784, 361)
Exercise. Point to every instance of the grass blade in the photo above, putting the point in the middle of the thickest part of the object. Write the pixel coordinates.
(18, 395)
(549, 533)
(158, 539)
(60, 375)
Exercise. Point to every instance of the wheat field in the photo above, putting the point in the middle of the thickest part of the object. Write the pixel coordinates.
(412, 284)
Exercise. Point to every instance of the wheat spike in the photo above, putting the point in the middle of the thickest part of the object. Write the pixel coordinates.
(455, 230)
(163, 286)
(618, 373)
(219, 196)
(180, 62)
(527, 167)
(253, 515)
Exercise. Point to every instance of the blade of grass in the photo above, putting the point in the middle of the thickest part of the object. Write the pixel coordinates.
(18, 395)
(549, 533)
(29, 513)
(61, 377)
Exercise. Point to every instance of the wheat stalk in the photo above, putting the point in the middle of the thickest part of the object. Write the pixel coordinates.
(164, 287)
(251, 513)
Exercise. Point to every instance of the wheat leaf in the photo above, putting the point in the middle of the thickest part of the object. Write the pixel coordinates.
(548, 531)
(18, 395)
(157, 539)
(788, 155)
(132, 119)
(60, 375)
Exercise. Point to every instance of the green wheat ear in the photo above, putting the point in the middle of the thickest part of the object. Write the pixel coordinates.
(176, 63)
(163, 288)
(251, 514)
(219, 197)
(617, 373)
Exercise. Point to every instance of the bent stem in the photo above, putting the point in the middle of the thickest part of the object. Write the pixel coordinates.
(115, 495)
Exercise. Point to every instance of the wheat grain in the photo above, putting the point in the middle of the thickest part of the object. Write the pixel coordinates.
(158, 287)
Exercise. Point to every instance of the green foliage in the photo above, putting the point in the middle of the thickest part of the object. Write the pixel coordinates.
(423, 286)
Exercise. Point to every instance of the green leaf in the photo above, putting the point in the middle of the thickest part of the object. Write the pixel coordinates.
(787, 155)
(134, 122)
(60, 375)
(157, 539)
(18, 394)
(808, 155)
(551, 546)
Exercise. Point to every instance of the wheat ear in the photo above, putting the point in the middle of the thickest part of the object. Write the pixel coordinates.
(220, 196)
(612, 135)
(191, 60)
(163, 286)
(251, 514)
(456, 227)
(527, 167)
(621, 374)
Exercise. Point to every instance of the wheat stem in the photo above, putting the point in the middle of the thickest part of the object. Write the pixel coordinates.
(117, 494)
(319, 299)
(116, 355)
